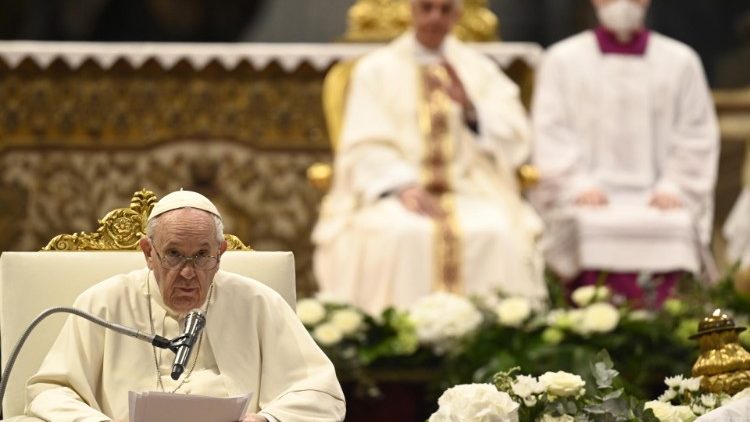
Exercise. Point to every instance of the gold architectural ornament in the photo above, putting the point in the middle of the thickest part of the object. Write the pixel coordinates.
(528, 176)
(121, 229)
(384, 20)
(478, 23)
(724, 364)
(320, 176)
(148, 106)
(377, 20)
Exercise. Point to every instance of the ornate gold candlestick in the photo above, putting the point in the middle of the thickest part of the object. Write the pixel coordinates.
(724, 364)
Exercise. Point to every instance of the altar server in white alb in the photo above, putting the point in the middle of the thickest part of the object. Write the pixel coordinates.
(253, 341)
(626, 142)
(424, 196)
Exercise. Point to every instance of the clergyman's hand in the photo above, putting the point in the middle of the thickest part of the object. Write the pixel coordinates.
(253, 418)
(456, 89)
(665, 201)
(418, 200)
(592, 198)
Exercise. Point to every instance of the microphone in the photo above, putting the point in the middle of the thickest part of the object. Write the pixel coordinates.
(194, 323)
(155, 340)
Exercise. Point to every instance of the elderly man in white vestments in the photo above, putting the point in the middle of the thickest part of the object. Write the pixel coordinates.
(252, 342)
(424, 195)
(627, 146)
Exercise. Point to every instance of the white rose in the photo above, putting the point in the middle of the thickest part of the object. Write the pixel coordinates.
(585, 295)
(683, 414)
(565, 320)
(530, 401)
(564, 418)
(641, 315)
(690, 384)
(697, 409)
(441, 318)
(310, 311)
(661, 409)
(475, 402)
(665, 412)
(513, 311)
(674, 381)
(708, 400)
(327, 334)
(668, 395)
(598, 318)
(526, 386)
(562, 384)
(348, 320)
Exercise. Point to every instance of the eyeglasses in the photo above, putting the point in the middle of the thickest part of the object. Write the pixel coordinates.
(173, 260)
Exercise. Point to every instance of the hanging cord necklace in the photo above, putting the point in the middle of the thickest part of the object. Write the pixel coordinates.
(157, 361)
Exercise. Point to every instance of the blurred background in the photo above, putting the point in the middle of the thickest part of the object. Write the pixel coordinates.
(83, 126)
(718, 29)
(90, 128)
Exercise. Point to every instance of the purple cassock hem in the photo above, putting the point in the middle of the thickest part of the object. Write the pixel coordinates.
(608, 43)
(660, 288)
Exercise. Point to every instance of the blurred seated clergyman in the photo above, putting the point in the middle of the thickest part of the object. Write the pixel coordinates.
(626, 141)
(424, 195)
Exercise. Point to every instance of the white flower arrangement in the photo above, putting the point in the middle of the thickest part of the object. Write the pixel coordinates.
(564, 418)
(587, 295)
(441, 319)
(564, 319)
(327, 334)
(666, 412)
(348, 320)
(513, 311)
(599, 317)
(528, 389)
(562, 384)
(475, 403)
(310, 311)
(681, 402)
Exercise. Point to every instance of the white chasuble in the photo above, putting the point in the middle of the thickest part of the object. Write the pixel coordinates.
(374, 253)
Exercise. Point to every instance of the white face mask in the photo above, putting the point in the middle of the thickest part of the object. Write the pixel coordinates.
(622, 17)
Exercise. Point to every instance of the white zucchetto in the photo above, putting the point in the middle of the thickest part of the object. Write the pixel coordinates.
(183, 199)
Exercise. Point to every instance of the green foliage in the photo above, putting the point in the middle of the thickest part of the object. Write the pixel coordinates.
(603, 401)
(644, 346)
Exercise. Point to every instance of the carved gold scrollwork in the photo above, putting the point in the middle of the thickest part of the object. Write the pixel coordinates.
(478, 23)
(384, 20)
(121, 229)
(132, 108)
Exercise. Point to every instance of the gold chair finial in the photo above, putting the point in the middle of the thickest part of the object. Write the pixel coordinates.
(121, 229)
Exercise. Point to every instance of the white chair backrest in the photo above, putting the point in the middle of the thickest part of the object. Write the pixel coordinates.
(31, 282)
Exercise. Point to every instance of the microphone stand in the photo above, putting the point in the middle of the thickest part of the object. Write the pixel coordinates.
(155, 340)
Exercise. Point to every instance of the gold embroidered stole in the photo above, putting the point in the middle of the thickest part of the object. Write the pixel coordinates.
(434, 123)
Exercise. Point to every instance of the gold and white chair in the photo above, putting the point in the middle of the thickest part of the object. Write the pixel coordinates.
(31, 282)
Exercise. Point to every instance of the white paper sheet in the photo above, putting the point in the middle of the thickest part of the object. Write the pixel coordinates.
(154, 406)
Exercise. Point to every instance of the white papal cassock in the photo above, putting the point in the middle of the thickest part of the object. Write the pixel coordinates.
(373, 252)
(253, 342)
(629, 125)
